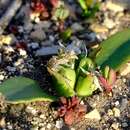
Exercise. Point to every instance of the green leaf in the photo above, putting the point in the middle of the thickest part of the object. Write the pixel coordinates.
(64, 81)
(86, 64)
(66, 34)
(61, 13)
(84, 86)
(115, 51)
(23, 90)
(83, 4)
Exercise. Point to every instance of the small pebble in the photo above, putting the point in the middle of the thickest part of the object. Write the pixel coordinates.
(76, 27)
(2, 123)
(10, 127)
(124, 80)
(42, 116)
(20, 29)
(116, 112)
(38, 34)
(117, 103)
(43, 25)
(8, 49)
(34, 15)
(19, 62)
(31, 110)
(114, 7)
(47, 51)
(93, 115)
(22, 52)
(125, 70)
(72, 128)
(110, 112)
(37, 20)
(51, 38)
(0, 58)
(43, 128)
(92, 36)
(49, 126)
(59, 124)
(124, 124)
(124, 103)
(34, 128)
(2, 77)
(28, 26)
(34, 45)
(99, 28)
(109, 23)
(115, 126)
(11, 69)
(5, 39)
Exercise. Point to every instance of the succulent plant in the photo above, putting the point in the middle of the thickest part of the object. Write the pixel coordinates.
(108, 78)
(71, 110)
(60, 12)
(89, 7)
(63, 74)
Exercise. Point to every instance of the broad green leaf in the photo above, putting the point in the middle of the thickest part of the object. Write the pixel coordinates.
(66, 34)
(115, 51)
(84, 86)
(86, 64)
(90, 7)
(23, 90)
(64, 81)
(83, 4)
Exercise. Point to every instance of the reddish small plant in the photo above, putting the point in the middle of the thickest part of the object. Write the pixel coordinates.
(38, 6)
(21, 45)
(41, 7)
(71, 110)
(54, 3)
(108, 83)
(13, 29)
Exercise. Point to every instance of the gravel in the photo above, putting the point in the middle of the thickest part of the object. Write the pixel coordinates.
(27, 55)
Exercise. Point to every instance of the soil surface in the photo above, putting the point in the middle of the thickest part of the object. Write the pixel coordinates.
(22, 58)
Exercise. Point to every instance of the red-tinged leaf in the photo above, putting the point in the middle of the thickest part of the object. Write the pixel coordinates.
(61, 111)
(75, 101)
(21, 45)
(108, 88)
(54, 3)
(44, 15)
(63, 100)
(105, 84)
(103, 81)
(112, 77)
(82, 108)
(72, 110)
(61, 26)
(69, 104)
(13, 29)
(69, 117)
(79, 111)
(38, 6)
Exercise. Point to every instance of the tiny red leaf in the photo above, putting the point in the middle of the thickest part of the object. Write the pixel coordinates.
(69, 117)
(71, 109)
(61, 111)
(13, 29)
(21, 45)
(74, 101)
(63, 100)
(54, 3)
(38, 6)
(112, 77)
(105, 84)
